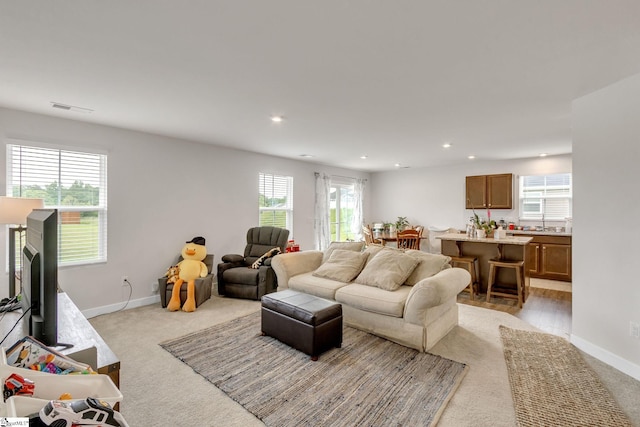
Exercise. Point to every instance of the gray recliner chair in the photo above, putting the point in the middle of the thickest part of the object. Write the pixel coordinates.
(237, 279)
(203, 285)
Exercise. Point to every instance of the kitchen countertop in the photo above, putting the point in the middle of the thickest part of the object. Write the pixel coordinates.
(509, 240)
(538, 233)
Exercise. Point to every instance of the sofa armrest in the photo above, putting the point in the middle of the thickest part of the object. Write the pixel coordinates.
(433, 291)
(291, 264)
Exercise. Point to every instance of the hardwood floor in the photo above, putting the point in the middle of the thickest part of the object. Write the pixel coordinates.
(548, 306)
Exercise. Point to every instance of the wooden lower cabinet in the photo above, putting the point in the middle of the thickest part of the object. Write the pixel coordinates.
(549, 257)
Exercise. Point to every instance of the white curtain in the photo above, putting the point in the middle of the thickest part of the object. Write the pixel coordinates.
(358, 213)
(322, 231)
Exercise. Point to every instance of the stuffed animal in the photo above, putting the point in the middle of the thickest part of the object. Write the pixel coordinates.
(172, 274)
(269, 254)
(191, 267)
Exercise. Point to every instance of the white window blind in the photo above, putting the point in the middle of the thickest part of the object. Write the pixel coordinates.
(73, 182)
(547, 197)
(276, 201)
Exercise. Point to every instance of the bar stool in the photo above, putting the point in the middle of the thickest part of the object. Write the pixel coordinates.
(469, 263)
(518, 266)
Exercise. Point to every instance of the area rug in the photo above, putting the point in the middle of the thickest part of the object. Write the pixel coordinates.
(552, 385)
(370, 381)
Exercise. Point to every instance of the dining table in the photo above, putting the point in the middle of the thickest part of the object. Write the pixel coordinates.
(391, 236)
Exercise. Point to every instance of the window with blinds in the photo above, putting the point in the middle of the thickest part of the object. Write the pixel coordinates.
(276, 201)
(547, 197)
(73, 182)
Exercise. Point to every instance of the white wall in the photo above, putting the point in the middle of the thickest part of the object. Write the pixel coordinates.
(606, 156)
(162, 192)
(436, 196)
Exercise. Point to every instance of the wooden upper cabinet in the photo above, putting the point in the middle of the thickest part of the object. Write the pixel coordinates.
(489, 191)
(476, 191)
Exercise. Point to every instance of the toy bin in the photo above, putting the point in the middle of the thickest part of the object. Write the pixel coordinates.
(51, 386)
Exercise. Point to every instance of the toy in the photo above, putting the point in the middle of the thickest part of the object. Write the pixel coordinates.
(191, 267)
(269, 254)
(16, 384)
(89, 411)
(172, 274)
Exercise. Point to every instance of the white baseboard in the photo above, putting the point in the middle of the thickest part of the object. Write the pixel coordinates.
(607, 357)
(106, 309)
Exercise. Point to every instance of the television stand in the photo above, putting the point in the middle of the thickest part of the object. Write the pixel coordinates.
(73, 328)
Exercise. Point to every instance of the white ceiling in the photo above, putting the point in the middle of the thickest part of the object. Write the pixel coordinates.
(392, 80)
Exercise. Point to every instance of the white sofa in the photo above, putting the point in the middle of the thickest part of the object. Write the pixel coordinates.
(416, 312)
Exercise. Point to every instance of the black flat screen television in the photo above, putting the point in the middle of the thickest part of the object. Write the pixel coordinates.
(40, 276)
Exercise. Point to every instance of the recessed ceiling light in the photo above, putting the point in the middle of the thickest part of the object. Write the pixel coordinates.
(397, 165)
(446, 145)
(363, 157)
(307, 156)
(543, 154)
(277, 119)
(471, 157)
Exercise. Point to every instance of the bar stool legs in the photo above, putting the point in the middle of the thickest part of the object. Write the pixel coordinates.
(468, 263)
(518, 266)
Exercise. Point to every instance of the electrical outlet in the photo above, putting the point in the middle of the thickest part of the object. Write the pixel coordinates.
(154, 287)
(634, 329)
(125, 281)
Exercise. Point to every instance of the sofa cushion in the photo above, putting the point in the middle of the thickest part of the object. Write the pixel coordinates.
(318, 286)
(387, 270)
(348, 246)
(430, 264)
(374, 300)
(374, 249)
(342, 265)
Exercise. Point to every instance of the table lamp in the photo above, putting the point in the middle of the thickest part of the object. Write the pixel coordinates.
(14, 211)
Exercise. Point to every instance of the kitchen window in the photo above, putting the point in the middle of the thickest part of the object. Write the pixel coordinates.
(75, 183)
(276, 201)
(546, 197)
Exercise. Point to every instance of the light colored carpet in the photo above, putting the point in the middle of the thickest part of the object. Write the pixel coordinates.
(552, 386)
(160, 390)
(370, 381)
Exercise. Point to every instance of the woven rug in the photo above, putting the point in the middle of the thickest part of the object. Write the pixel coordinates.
(552, 385)
(368, 382)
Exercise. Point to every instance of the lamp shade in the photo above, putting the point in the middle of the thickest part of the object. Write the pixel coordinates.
(14, 210)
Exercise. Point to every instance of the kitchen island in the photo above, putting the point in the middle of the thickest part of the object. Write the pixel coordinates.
(511, 248)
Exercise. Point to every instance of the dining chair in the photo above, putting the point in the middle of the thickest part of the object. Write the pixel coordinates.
(408, 239)
(368, 236)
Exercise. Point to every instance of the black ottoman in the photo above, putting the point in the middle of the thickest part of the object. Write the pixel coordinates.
(305, 322)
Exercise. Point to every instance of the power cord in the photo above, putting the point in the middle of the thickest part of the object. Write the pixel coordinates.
(16, 324)
(128, 299)
(10, 304)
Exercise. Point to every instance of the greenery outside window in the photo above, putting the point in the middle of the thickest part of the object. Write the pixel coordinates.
(73, 182)
(276, 201)
(341, 211)
(546, 197)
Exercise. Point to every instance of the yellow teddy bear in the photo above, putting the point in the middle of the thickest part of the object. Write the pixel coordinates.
(190, 268)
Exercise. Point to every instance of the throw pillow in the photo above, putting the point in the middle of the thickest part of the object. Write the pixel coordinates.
(374, 249)
(430, 264)
(387, 270)
(343, 265)
(350, 246)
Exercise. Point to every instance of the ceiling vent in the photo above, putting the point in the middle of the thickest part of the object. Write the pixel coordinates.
(70, 108)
